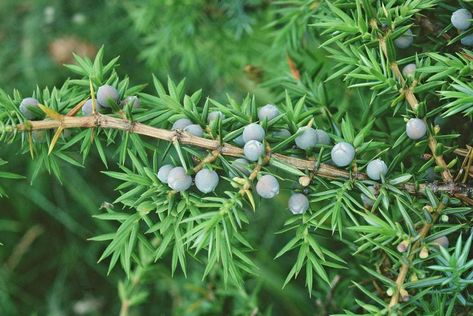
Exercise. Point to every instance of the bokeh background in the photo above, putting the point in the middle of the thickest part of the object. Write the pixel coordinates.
(224, 47)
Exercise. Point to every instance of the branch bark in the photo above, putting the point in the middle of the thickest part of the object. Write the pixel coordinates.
(321, 170)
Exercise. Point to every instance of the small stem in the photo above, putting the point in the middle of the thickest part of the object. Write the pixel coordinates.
(405, 266)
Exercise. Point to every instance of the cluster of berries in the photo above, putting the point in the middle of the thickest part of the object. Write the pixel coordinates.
(176, 178)
(461, 20)
(107, 97)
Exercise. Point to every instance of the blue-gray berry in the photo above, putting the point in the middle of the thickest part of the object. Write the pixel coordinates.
(239, 140)
(163, 173)
(281, 133)
(26, 105)
(366, 199)
(181, 123)
(213, 116)
(107, 96)
(409, 70)
(87, 108)
(298, 203)
(179, 180)
(376, 168)
(241, 165)
(39, 136)
(307, 139)
(416, 128)
(253, 131)
(133, 100)
(322, 137)
(343, 154)
(268, 112)
(206, 180)
(267, 187)
(467, 40)
(405, 40)
(253, 150)
(461, 19)
(194, 129)
(442, 242)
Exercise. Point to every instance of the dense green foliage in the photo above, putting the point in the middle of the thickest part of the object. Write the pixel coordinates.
(364, 247)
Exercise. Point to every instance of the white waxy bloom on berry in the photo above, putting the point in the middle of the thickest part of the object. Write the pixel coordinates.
(267, 187)
(343, 154)
(253, 131)
(253, 150)
(179, 180)
(405, 40)
(416, 128)
(163, 173)
(268, 112)
(461, 19)
(206, 180)
(376, 168)
(298, 203)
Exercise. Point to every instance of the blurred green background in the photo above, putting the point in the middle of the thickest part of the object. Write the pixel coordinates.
(48, 266)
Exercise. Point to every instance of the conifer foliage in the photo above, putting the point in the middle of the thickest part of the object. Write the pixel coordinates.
(369, 168)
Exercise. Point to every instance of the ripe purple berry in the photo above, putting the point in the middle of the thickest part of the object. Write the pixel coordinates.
(268, 112)
(253, 131)
(409, 70)
(213, 116)
(163, 173)
(405, 40)
(107, 96)
(298, 203)
(241, 165)
(181, 123)
(416, 128)
(26, 105)
(376, 168)
(253, 150)
(194, 129)
(206, 180)
(133, 100)
(267, 187)
(87, 108)
(343, 154)
(461, 19)
(179, 180)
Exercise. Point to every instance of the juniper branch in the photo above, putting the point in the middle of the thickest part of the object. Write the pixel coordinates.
(320, 169)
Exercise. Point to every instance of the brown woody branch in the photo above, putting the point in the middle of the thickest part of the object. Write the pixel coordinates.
(319, 169)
